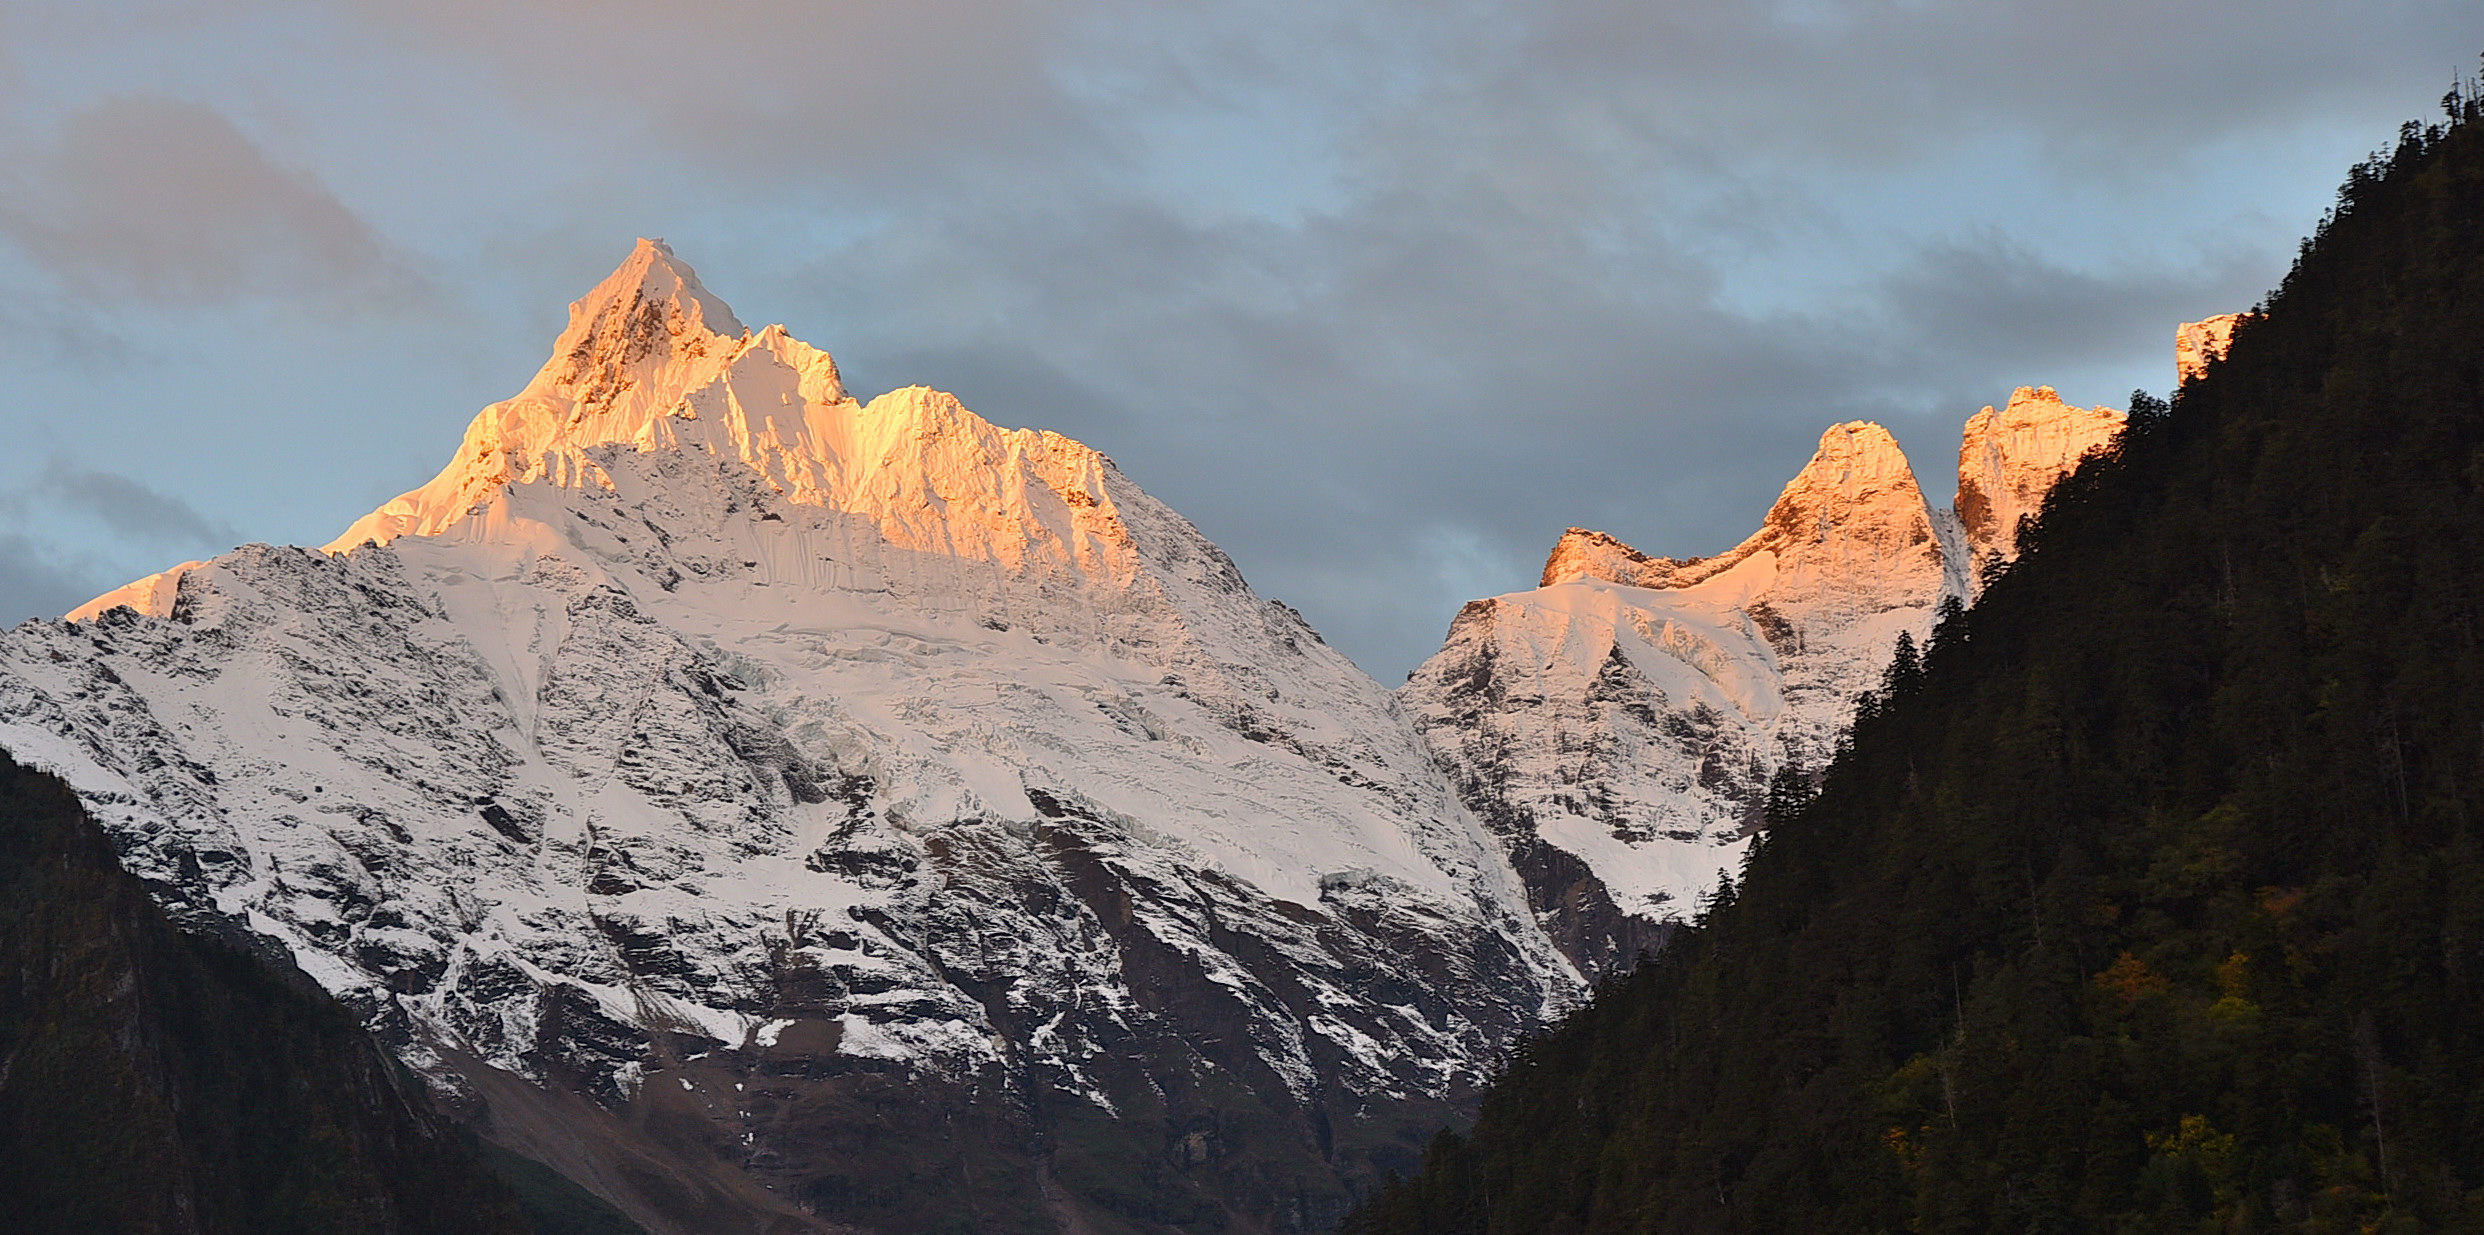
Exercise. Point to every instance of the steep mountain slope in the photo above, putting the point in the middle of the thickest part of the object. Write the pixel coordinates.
(152, 1081)
(908, 818)
(2154, 900)
(2010, 460)
(1618, 727)
(2199, 343)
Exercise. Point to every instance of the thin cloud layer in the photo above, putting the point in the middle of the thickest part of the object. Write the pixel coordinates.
(770, 90)
(34, 582)
(1383, 296)
(153, 199)
(49, 559)
(123, 505)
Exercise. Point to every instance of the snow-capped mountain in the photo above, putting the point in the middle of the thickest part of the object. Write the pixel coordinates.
(1617, 727)
(877, 813)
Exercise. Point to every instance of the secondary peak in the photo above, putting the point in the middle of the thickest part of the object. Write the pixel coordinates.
(2008, 460)
(1583, 553)
(2196, 344)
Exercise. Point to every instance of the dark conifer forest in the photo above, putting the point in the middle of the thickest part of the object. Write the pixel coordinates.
(155, 1081)
(2151, 896)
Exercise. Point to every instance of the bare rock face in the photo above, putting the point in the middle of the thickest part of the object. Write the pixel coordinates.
(1618, 726)
(2010, 459)
(879, 810)
(2198, 343)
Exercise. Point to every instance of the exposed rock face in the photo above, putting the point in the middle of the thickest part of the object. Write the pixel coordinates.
(1617, 727)
(910, 814)
(2197, 343)
(2010, 459)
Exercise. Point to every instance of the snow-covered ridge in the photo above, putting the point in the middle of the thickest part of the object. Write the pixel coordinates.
(651, 360)
(1852, 517)
(1617, 726)
(694, 697)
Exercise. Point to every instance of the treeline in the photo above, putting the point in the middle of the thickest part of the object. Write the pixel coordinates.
(2150, 896)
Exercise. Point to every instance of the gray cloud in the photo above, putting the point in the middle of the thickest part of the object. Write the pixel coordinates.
(1420, 408)
(48, 560)
(1975, 308)
(771, 90)
(42, 326)
(2112, 82)
(127, 507)
(1383, 295)
(36, 581)
(1563, 265)
(152, 199)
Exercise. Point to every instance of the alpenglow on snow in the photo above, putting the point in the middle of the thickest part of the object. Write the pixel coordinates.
(707, 764)
(1618, 726)
(697, 711)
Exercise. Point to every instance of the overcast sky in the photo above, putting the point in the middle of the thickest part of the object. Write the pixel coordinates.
(1382, 296)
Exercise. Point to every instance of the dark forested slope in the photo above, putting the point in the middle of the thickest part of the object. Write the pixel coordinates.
(2152, 897)
(155, 1082)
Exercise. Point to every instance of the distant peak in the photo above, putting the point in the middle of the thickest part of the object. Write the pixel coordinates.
(2034, 405)
(2198, 343)
(1857, 477)
(2009, 459)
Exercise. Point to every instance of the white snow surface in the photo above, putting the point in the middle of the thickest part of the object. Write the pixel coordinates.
(690, 672)
(1631, 710)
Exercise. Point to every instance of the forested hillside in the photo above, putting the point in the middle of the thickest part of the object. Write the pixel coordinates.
(151, 1081)
(2151, 896)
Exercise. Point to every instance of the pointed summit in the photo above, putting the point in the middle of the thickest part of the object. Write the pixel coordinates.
(1854, 512)
(1858, 469)
(644, 316)
(654, 274)
(647, 351)
(651, 298)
